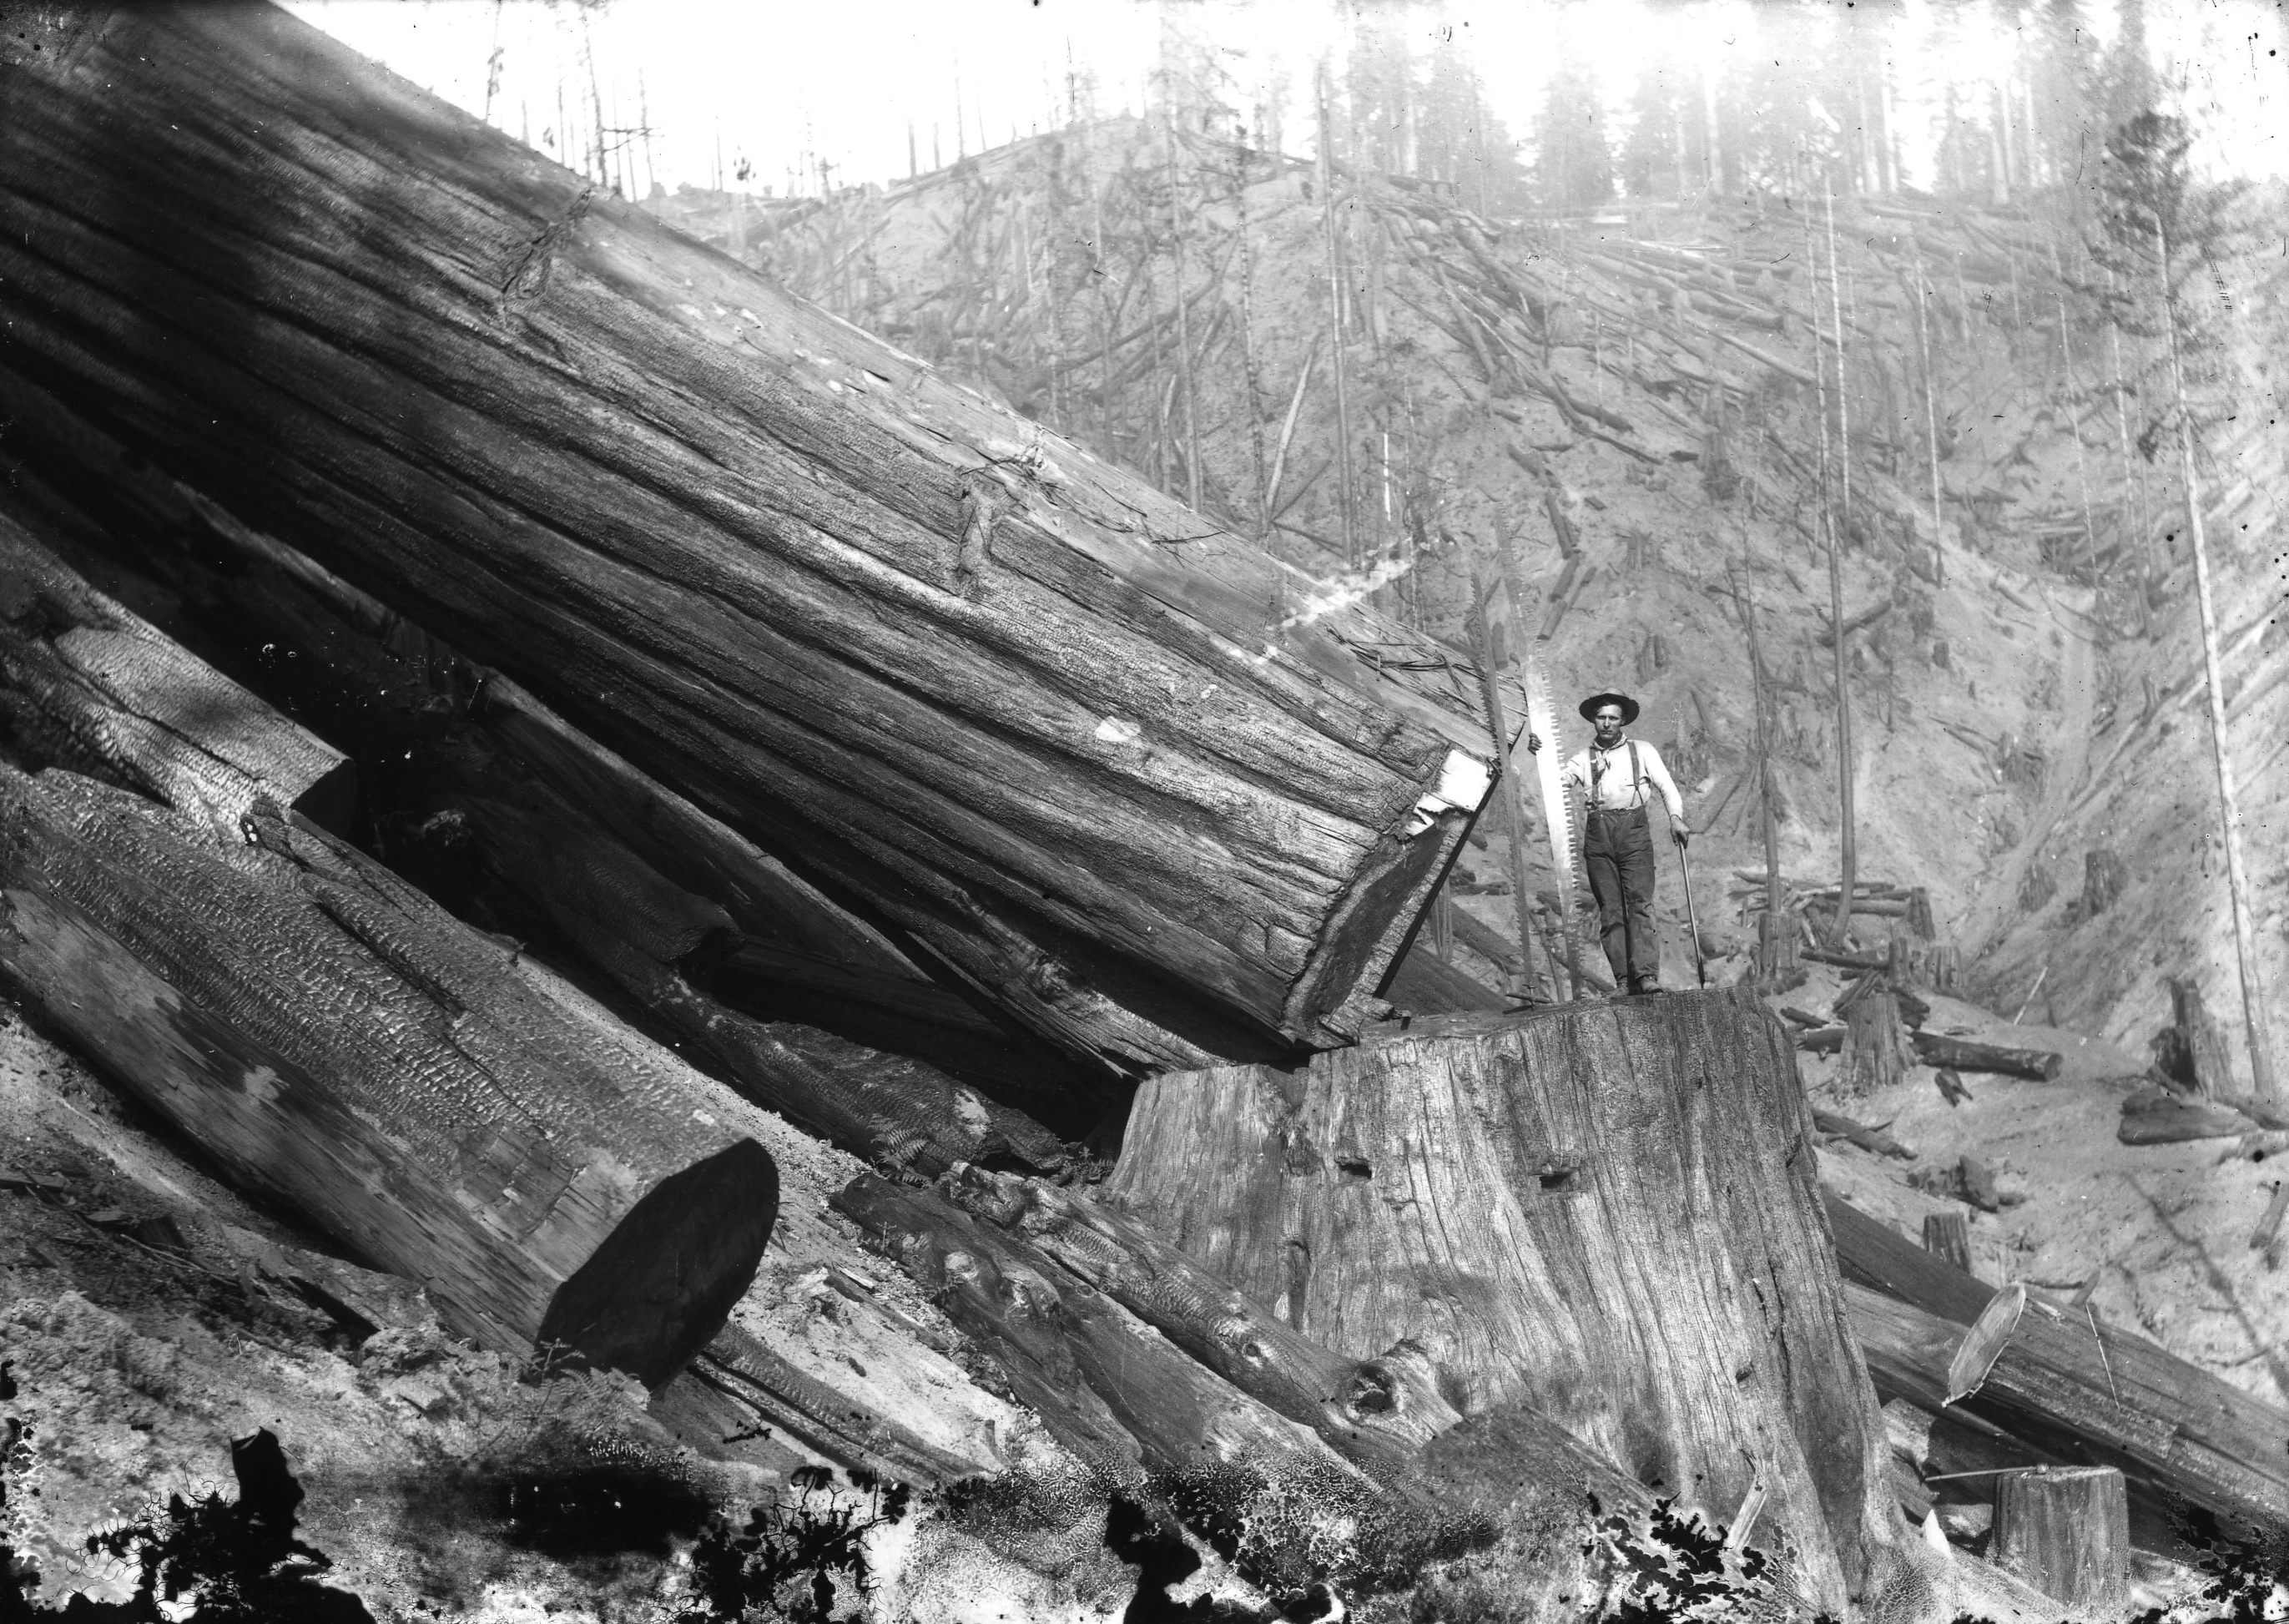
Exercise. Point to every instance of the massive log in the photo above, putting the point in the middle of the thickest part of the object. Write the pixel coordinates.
(2072, 1385)
(1157, 795)
(1605, 1212)
(331, 1037)
(483, 795)
(326, 1031)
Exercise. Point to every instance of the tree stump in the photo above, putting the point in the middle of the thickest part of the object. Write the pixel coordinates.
(1605, 1210)
(2066, 1530)
(1947, 1236)
(1876, 1052)
(2191, 1051)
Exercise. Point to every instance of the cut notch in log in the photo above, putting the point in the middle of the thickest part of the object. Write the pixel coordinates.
(729, 533)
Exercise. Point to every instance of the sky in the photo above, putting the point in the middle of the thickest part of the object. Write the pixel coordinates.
(784, 86)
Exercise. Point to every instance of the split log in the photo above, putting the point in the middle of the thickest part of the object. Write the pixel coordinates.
(2069, 1383)
(1932, 1049)
(1138, 782)
(334, 1039)
(2066, 1532)
(1571, 1208)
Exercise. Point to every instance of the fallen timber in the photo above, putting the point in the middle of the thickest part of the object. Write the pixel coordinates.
(429, 1097)
(1525, 1199)
(332, 1038)
(1144, 788)
(481, 794)
(2074, 1387)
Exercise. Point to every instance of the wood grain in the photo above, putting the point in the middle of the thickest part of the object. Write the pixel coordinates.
(1128, 764)
(1606, 1211)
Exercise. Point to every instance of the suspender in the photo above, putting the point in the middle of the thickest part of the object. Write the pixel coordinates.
(1597, 774)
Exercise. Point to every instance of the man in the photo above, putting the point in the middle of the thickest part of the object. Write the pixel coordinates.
(1611, 776)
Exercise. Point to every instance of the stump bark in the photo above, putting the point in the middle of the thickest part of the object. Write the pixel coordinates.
(1147, 789)
(2066, 1530)
(1606, 1211)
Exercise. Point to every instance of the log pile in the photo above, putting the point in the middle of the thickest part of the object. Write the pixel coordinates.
(1146, 790)
(453, 655)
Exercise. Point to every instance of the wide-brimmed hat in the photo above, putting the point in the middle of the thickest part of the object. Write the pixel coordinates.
(1628, 706)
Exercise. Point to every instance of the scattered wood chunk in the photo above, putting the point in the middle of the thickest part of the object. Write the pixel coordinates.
(1977, 1182)
(2155, 1115)
(1951, 1085)
(1874, 1139)
(1932, 1049)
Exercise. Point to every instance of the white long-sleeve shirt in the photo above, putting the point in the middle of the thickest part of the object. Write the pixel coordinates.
(1615, 791)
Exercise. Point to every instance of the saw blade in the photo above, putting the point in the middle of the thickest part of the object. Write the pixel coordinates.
(1557, 813)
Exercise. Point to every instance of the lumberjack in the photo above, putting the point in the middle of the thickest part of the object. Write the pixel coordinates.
(1611, 777)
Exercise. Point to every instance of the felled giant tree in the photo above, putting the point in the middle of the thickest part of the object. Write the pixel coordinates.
(1156, 795)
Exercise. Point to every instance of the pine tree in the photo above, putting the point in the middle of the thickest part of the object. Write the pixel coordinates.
(1573, 164)
(2165, 237)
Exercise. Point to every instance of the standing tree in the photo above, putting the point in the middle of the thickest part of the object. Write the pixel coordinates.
(2165, 237)
(1573, 166)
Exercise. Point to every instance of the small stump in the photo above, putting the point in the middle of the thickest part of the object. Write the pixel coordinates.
(2066, 1530)
(1947, 1234)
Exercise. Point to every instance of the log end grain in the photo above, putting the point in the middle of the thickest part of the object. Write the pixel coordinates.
(664, 1281)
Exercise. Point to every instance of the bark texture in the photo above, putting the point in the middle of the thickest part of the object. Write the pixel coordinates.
(2067, 1533)
(2068, 1381)
(514, 819)
(1606, 1211)
(1143, 786)
(333, 1039)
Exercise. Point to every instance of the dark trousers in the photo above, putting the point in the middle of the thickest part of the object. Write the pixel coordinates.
(1619, 853)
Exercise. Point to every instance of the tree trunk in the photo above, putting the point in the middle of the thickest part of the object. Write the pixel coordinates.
(505, 814)
(2041, 1065)
(331, 1037)
(2131, 1408)
(958, 671)
(2262, 1086)
(2066, 1532)
(1507, 1193)
(1947, 1236)
(2191, 1051)
(94, 688)
(2170, 1424)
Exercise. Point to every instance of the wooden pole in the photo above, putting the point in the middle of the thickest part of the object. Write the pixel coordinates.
(2074, 417)
(1777, 943)
(1514, 802)
(1183, 327)
(1848, 842)
(1344, 479)
(2262, 1084)
(1930, 412)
